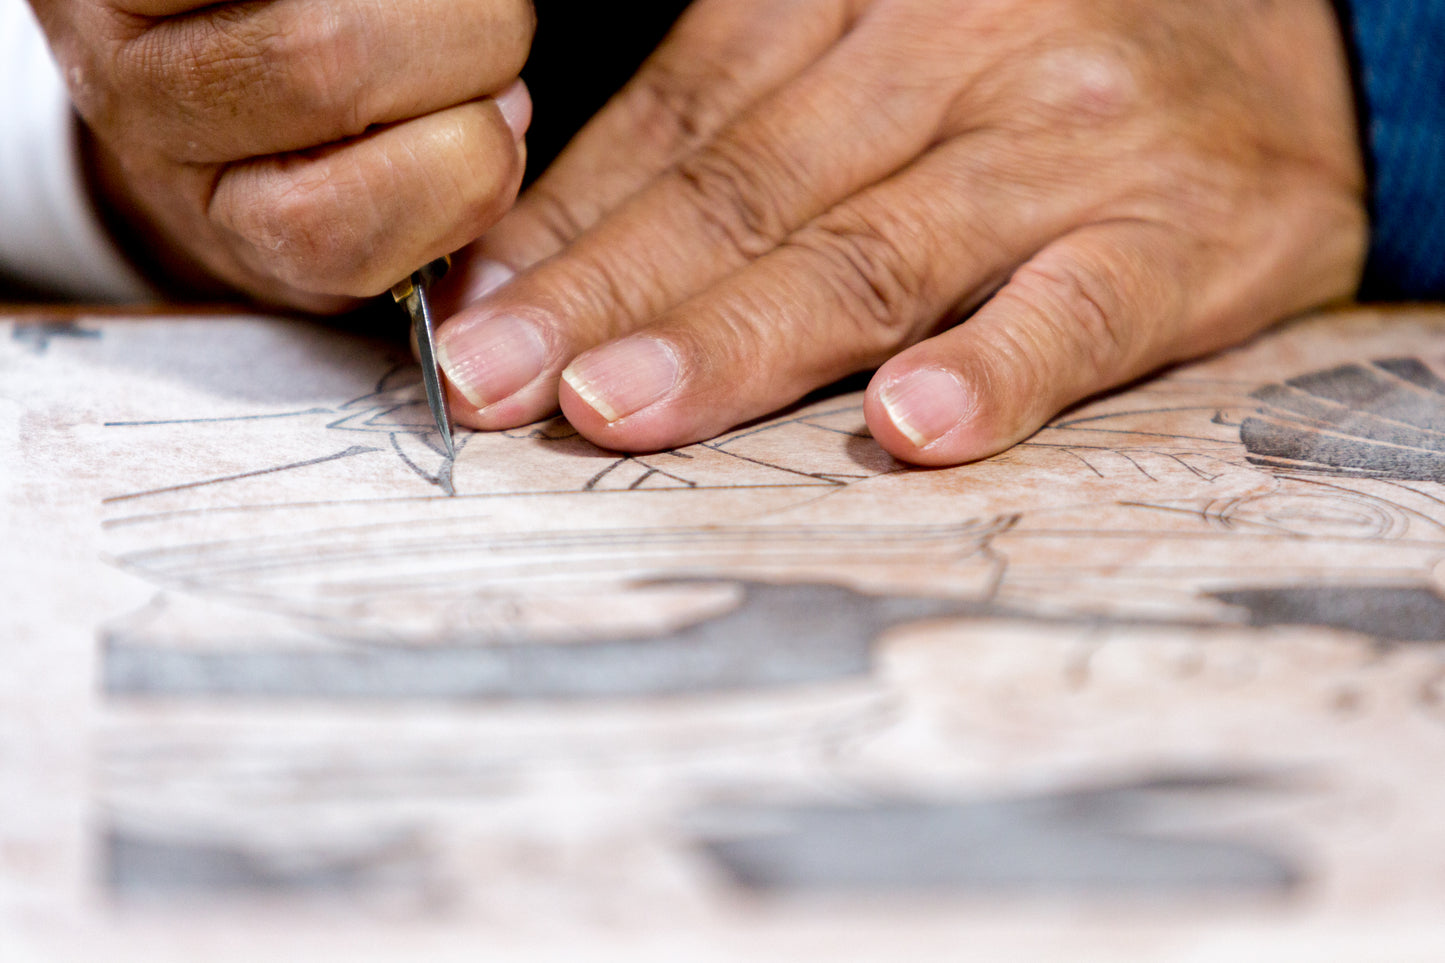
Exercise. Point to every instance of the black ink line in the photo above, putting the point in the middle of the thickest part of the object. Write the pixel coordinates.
(208, 421)
(354, 450)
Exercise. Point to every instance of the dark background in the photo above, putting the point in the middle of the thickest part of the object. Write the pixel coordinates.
(584, 51)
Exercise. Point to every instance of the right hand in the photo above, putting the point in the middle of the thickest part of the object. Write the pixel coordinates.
(301, 153)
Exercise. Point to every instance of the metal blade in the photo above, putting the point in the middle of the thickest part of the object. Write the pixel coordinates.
(419, 307)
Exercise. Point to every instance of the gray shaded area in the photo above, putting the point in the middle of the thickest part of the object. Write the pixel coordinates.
(779, 635)
(1404, 614)
(1382, 419)
(138, 865)
(1071, 843)
(37, 335)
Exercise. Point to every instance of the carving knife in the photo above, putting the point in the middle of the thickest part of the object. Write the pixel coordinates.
(412, 293)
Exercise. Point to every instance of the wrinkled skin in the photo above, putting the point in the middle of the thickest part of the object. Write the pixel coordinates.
(303, 154)
(1008, 205)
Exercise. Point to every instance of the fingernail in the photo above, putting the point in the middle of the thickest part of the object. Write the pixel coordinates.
(491, 359)
(623, 377)
(926, 404)
(515, 103)
(487, 276)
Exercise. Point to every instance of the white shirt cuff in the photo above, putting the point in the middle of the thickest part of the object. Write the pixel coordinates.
(50, 235)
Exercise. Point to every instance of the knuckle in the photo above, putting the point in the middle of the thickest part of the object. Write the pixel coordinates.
(194, 66)
(676, 109)
(201, 72)
(602, 291)
(1083, 84)
(317, 60)
(554, 216)
(880, 288)
(290, 228)
(735, 197)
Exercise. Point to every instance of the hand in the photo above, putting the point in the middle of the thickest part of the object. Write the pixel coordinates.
(302, 153)
(793, 190)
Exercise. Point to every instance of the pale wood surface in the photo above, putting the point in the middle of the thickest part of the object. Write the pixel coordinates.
(278, 684)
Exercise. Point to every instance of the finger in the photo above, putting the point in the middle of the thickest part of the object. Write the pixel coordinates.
(876, 273)
(1100, 307)
(353, 218)
(825, 137)
(247, 79)
(720, 57)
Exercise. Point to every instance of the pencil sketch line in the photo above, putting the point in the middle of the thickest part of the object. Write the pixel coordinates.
(1197, 473)
(348, 453)
(338, 541)
(344, 422)
(1091, 534)
(1075, 454)
(837, 431)
(208, 421)
(596, 479)
(1074, 446)
(443, 478)
(653, 470)
(716, 446)
(1071, 422)
(381, 385)
(807, 420)
(1355, 495)
(1201, 514)
(1141, 434)
(1137, 466)
(1414, 491)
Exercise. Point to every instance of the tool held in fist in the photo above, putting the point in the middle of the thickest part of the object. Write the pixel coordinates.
(413, 293)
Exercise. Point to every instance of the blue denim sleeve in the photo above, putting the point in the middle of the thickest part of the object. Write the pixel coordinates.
(1399, 52)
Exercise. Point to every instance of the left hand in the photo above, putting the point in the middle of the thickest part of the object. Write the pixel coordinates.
(793, 190)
